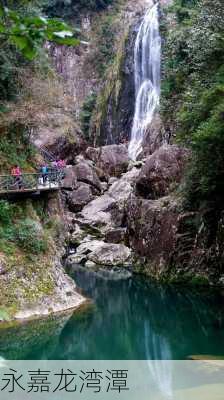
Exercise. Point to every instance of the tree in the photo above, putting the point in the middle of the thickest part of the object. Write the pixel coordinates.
(28, 33)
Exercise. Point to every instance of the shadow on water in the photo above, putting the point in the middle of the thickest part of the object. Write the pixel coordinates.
(131, 318)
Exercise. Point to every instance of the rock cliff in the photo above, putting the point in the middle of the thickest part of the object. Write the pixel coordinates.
(138, 220)
(33, 282)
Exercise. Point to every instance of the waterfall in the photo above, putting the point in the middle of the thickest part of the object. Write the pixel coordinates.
(147, 57)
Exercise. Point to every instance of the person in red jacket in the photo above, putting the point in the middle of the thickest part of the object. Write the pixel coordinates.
(17, 174)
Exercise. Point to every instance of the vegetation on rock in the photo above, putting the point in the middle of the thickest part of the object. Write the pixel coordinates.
(193, 88)
(71, 8)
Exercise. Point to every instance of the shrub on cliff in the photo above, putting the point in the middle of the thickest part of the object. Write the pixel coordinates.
(86, 114)
(71, 8)
(193, 93)
(17, 230)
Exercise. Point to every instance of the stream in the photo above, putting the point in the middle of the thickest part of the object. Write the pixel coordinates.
(129, 318)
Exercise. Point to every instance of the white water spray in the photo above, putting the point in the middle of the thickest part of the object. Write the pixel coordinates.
(147, 78)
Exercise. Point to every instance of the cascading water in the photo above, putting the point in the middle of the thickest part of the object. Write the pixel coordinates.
(147, 78)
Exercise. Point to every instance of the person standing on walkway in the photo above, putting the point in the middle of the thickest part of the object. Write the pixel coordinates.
(44, 172)
(61, 164)
(17, 174)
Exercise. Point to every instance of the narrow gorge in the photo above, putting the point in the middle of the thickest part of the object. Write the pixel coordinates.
(131, 101)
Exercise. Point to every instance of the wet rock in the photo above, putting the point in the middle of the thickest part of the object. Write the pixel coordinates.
(161, 172)
(111, 255)
(90, 264)
(113, 159)
(80, 197)
(76, 259)
(70, 180)
(87, 174)
(88, 247)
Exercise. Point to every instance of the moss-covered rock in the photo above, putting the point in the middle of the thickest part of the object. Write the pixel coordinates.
(33, 281)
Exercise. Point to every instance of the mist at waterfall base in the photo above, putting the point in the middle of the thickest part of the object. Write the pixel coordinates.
(147, 56)
(130, 319)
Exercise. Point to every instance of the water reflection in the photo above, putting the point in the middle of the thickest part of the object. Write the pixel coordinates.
(130, 319)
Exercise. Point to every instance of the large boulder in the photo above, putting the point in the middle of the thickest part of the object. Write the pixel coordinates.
(161, 172)
(111, 254)
(70, 181)
(112, 159)
(172, 244)
(77, 236)
(107, 210)
(89, 246)
(102, 253)
(66, 149)
(154, 136)
(97, 212)
(121, 189)
(152, 226)
(85, 172)
(80, 197)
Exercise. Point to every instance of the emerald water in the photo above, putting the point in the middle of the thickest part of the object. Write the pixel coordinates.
(129, 319)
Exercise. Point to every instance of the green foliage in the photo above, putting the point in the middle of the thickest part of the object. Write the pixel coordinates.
(23, 32)
(10, 61)
(15, 148)
(183, 9)
(27, 236)
(105, 52)
(4, 315)
(86, 113)
(193, 96)
(18, 230)
(28, 33)
(5, 212)
(206, 177)
(71, 8)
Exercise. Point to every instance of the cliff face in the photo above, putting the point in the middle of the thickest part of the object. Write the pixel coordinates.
(73, 64)
(144, 209)
(113, 116)
(103, 67)
(32, 280)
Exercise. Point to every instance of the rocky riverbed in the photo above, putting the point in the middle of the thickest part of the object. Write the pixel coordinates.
(131, 215)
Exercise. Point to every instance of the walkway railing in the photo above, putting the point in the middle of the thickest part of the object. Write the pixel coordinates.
(32, 182)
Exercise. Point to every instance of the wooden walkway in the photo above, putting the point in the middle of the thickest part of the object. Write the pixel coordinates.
(31, 183)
